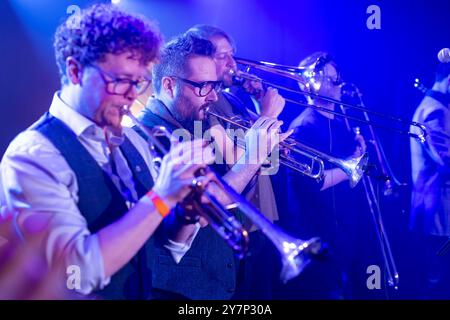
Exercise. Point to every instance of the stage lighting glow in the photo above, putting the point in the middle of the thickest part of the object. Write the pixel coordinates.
(115, 1)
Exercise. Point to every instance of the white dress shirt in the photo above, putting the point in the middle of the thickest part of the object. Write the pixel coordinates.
(37, 179)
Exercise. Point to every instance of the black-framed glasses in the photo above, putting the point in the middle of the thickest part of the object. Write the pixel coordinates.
(205, 87)
(121, 86)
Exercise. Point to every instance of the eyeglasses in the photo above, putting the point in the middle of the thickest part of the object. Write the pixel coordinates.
(121, 86)
(205, 87)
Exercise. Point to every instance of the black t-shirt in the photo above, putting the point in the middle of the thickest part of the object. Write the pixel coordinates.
(330, 212)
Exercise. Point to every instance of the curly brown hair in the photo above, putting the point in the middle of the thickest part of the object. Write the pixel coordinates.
(103, 29)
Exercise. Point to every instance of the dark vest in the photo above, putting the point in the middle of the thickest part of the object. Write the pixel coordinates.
(101, 203)
(207, 270)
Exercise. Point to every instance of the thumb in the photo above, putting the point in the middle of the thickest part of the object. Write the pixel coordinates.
(285, 135)
(203, 222)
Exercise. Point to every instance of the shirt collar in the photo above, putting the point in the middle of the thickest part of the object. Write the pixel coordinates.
(71, 118)
(79, 124)
(158, 108)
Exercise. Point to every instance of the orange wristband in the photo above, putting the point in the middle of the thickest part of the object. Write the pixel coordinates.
(159, 204)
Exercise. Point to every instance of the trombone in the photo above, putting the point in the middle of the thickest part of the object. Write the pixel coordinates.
(295, 254)
(305, 74)
(354, 167)
(301, 74)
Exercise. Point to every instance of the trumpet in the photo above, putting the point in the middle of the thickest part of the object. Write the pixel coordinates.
(302, 75)
(295, 254)
(354, 168)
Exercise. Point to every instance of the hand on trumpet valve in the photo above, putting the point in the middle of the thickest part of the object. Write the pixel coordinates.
(262, 138)
(179, 168)
(187, 213)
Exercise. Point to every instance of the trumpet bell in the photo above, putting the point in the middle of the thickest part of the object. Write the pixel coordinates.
(297, 254)
(354, 168)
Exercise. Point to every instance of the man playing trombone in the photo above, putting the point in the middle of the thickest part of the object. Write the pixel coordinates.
(246, 101)
(328, 207)
(186, 86)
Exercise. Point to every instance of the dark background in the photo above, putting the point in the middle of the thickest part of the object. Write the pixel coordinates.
(383, 63)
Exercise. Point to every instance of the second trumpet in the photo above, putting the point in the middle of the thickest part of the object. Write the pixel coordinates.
(354, 168)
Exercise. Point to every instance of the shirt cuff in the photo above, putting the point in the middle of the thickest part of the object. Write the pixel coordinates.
(179, 249)
(93, 270)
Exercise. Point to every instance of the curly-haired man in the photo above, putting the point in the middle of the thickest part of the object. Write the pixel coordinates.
(84, 180)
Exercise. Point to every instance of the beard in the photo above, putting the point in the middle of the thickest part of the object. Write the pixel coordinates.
(227, 80)
(187, 114)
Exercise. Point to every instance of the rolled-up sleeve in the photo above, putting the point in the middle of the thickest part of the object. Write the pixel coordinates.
(40, 187)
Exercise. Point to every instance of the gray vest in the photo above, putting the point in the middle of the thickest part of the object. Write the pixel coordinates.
(101, 203)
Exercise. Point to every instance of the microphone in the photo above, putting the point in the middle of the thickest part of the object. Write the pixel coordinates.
(444, 55)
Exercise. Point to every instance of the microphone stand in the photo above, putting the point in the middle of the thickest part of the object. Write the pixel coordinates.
(374, 206)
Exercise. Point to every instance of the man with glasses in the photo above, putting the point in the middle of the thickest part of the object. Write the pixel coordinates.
(81, 180)
(186, 86)
(247, 101)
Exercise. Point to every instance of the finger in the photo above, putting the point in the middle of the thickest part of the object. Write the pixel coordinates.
(188, 150)
(190, 170)
(200, 155)
(207, 178)
(203, 222)
(246, 85)
(187, 184)
(185, 145)
(274, 128)
(185, 168)
(281, 101)
(265, 123)
(259, 122)
(273, 93)
(271, 90)
(285, 135)
(256, 86)
(268, 123)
